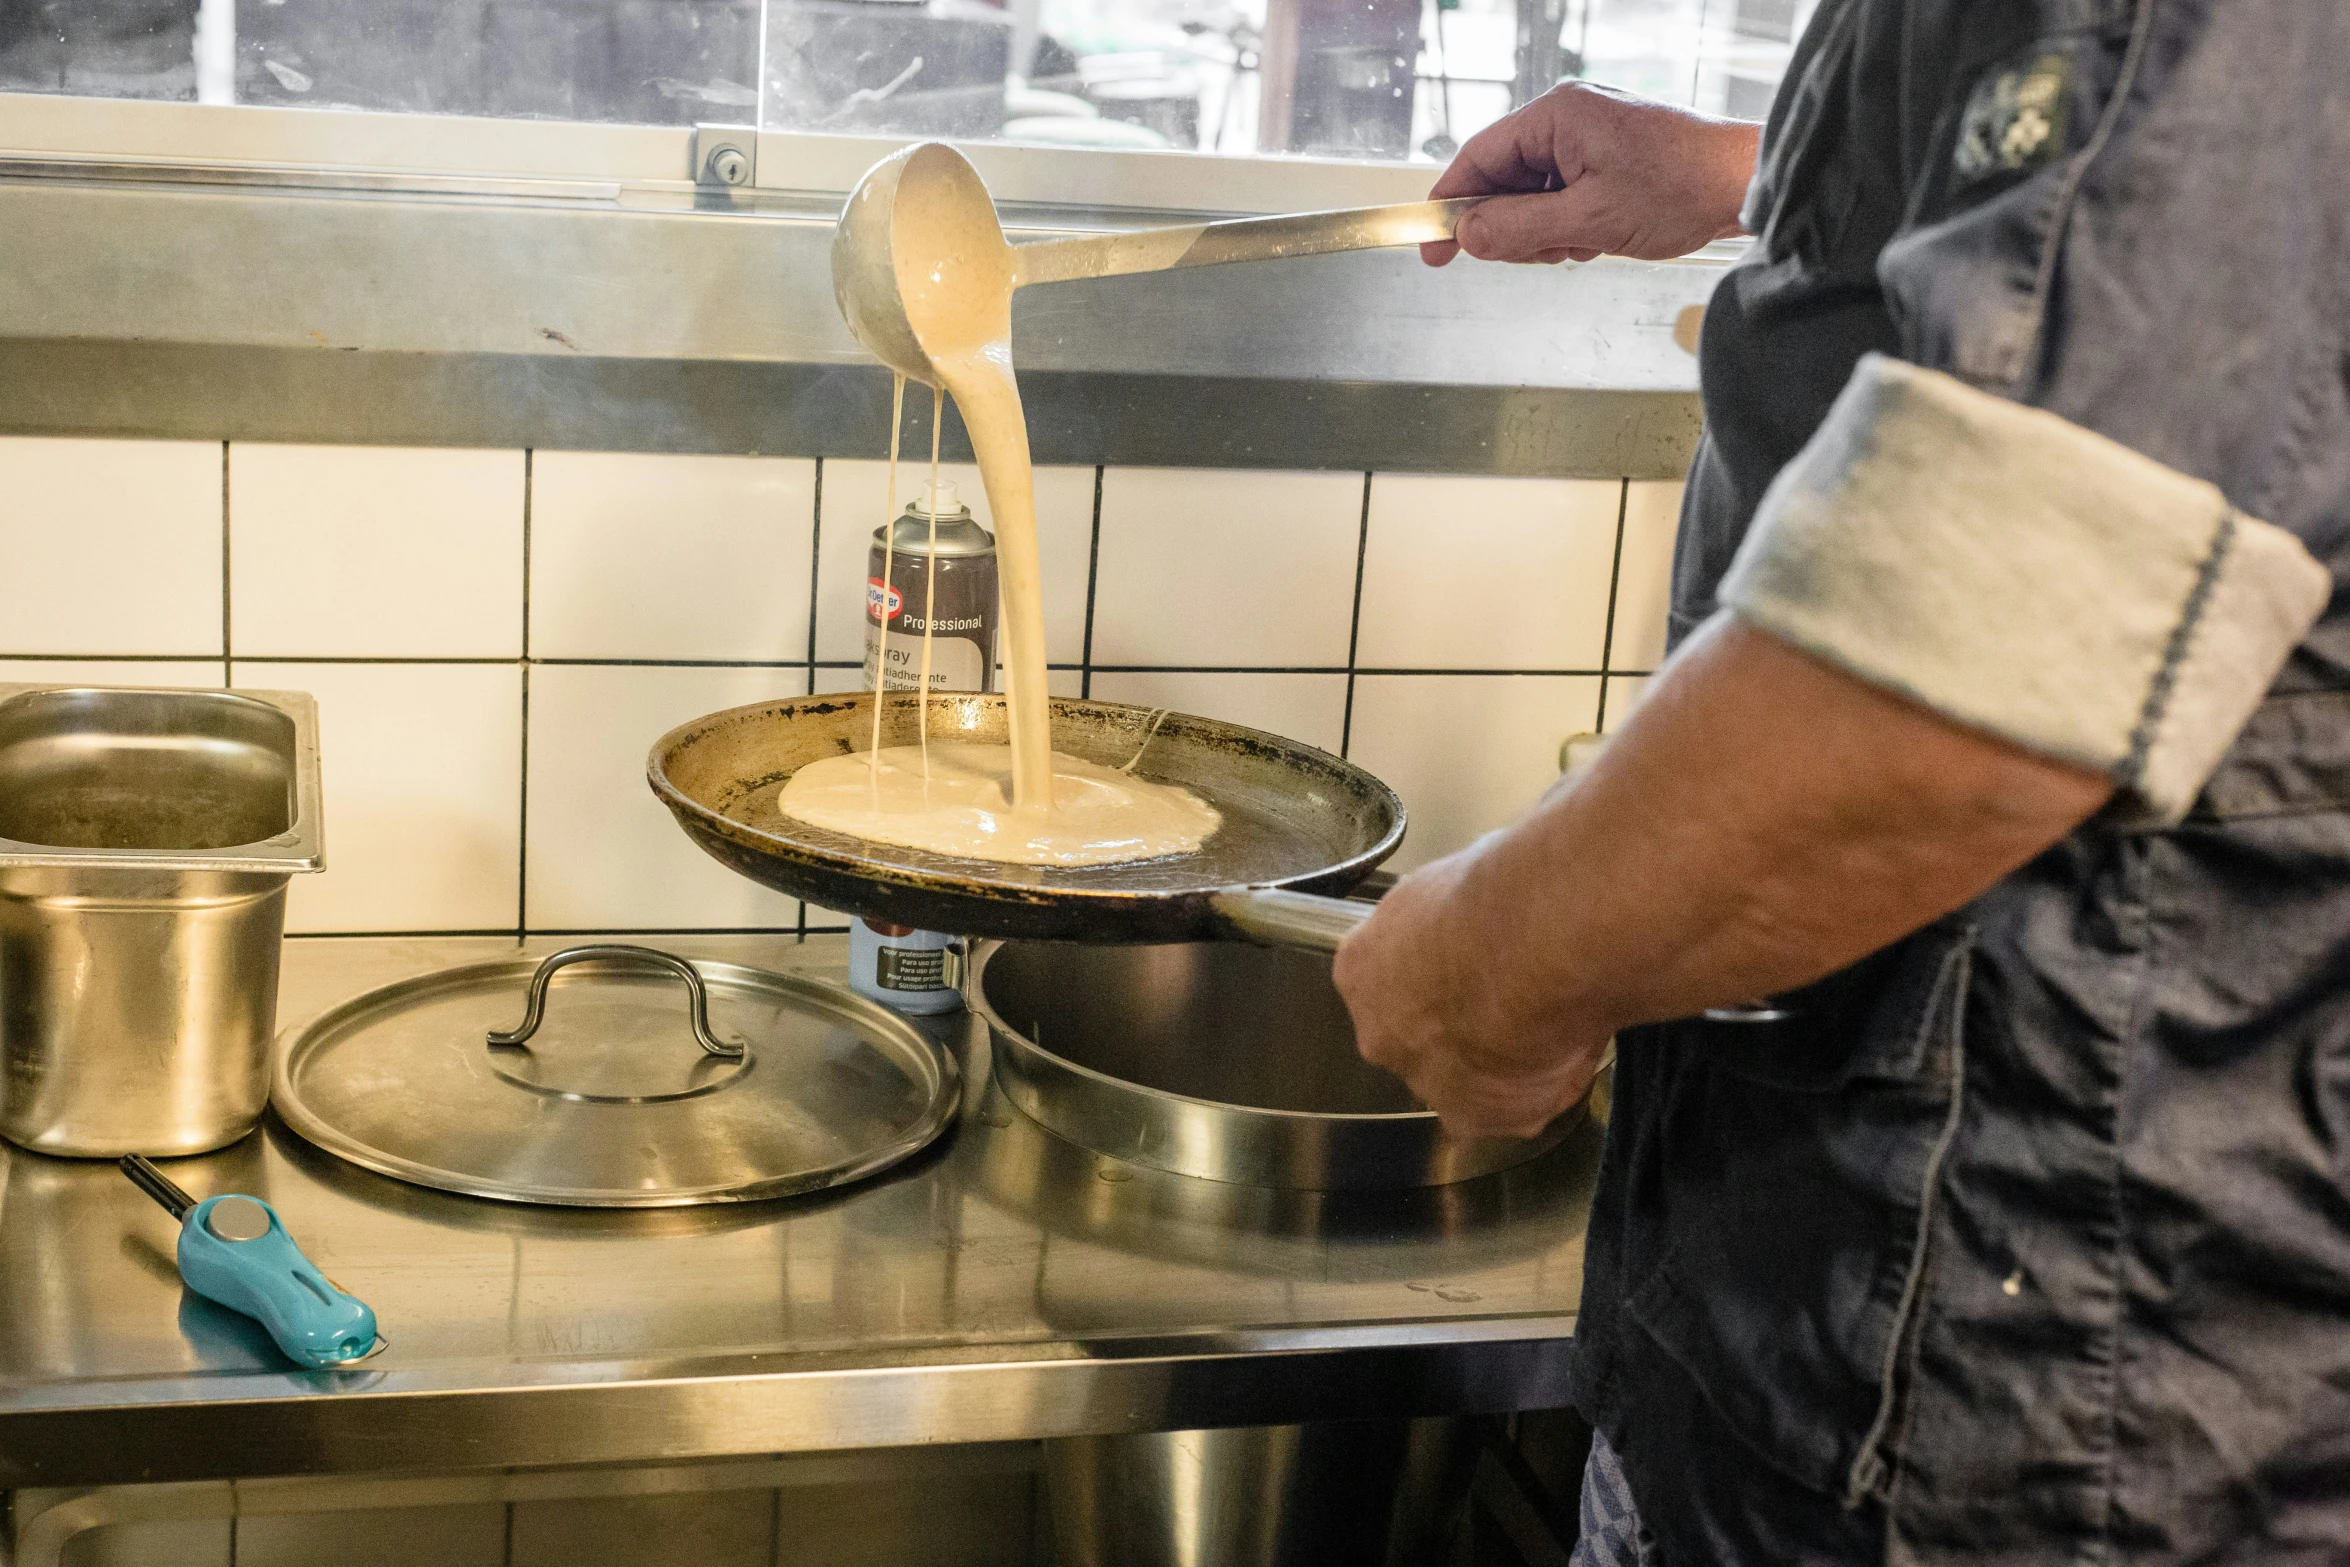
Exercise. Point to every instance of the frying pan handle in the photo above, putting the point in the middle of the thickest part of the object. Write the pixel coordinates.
(1277, 917)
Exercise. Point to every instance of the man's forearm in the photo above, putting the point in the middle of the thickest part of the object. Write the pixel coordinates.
(1762, 821)
(1956, 627)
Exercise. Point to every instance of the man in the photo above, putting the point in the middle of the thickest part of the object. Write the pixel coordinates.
(2007, 745)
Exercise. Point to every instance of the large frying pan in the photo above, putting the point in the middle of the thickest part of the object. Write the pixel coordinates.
(1297, 822)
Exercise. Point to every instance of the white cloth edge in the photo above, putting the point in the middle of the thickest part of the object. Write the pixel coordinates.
(2027, 577)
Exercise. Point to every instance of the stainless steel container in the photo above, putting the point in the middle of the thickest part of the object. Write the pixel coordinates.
(1214, 1059)
(146, 839)
(1370, 1493)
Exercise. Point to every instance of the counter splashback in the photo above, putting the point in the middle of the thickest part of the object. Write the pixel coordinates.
(495, 638)
(268, 302)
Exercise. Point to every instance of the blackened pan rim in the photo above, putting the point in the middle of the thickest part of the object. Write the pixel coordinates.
(1309, 761)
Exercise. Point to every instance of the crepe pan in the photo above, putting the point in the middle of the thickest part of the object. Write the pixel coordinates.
(1300, 825)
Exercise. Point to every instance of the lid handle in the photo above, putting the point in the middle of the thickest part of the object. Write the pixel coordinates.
(697, 998)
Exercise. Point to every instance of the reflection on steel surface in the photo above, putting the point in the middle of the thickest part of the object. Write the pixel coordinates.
(1370, 1493)
(1003, 1285)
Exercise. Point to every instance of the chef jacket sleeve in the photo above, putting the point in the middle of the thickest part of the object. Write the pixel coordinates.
(2017, 524)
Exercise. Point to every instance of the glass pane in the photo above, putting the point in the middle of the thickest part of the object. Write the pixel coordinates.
(1383, 79)
(99, 48)
(1386, 79)
(653, 62)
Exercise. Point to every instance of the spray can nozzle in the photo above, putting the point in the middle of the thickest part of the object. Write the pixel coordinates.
(936, 500)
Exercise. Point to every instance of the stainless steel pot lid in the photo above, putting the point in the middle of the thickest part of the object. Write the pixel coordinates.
(614, 1076)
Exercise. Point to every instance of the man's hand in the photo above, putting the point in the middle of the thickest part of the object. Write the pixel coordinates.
(1431, 1005)
(1584, 171)
(1764, 820)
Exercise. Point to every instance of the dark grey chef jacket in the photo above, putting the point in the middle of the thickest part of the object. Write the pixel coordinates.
(2028, 1240)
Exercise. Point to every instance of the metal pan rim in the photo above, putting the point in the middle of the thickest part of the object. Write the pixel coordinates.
(300, 1040)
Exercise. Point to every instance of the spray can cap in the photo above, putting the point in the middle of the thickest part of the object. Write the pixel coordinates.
(935, 523)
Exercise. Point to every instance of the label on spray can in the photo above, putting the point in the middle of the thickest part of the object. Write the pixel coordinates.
(919, 971)
(958, 608)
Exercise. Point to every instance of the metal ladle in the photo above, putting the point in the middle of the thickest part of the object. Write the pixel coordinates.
(952, 200)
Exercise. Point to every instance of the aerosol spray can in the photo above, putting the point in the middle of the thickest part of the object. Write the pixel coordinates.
(921, 971)
(959, 611)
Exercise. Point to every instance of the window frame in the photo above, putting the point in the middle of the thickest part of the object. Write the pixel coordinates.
(589, 160)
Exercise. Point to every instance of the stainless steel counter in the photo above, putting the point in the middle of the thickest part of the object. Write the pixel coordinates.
(1003, 1285)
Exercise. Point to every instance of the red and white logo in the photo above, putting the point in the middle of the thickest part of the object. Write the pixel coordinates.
(876, 594)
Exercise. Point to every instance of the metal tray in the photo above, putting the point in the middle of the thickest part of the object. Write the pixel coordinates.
(627, 1097)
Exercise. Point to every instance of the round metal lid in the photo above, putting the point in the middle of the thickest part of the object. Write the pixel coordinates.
(607, 1087)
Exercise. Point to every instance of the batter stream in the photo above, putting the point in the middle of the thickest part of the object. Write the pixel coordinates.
(1023, 803)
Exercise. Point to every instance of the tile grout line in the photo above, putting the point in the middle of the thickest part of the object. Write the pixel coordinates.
(228, 674)
(528, 456)
(522, 811)
(522, 821)
(506, 932)
(1615, 579)
(1093, 569)
(115, 658)
(333, 658)
(1354, 623)
(815, 585)
(815, 571)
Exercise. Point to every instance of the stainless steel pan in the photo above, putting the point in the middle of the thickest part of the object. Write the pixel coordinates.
(1299, 827)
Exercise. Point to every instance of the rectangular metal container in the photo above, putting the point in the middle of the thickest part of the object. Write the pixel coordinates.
(146, 839)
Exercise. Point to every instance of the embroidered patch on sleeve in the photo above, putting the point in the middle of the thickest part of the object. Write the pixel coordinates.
(2015, 119)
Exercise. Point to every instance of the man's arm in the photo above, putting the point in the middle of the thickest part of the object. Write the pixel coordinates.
(1584, 171)
(1955, 627)
(1763, 820)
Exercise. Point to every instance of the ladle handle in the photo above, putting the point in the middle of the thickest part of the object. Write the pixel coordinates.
(1277, 917)
(534, 1008)
(1238, 239)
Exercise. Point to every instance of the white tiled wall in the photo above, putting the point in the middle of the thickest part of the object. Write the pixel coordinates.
(634, 555)
(1467, 752)
(604, 854)
(1487, 573)
(374, 552)
(423, 773)
(1308, 706)
(496, 638)
(108, 546)
(1644, 575)
(1201, 568)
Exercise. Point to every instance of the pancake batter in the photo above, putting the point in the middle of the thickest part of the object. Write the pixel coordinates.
(962, 806)
(1021, 804)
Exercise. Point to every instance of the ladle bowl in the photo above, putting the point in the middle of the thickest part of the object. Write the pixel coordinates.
(866, 252)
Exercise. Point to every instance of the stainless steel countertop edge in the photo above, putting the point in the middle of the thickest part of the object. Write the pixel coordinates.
(1352, 1373)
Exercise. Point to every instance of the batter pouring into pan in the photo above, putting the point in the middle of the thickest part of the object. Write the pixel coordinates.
(953, 276)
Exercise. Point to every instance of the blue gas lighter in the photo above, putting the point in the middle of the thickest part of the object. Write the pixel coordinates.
(235, 1250)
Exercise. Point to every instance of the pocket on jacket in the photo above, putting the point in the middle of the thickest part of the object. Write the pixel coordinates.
(1798, 1361)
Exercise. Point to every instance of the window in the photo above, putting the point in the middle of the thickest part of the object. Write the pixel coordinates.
(1381, 80)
